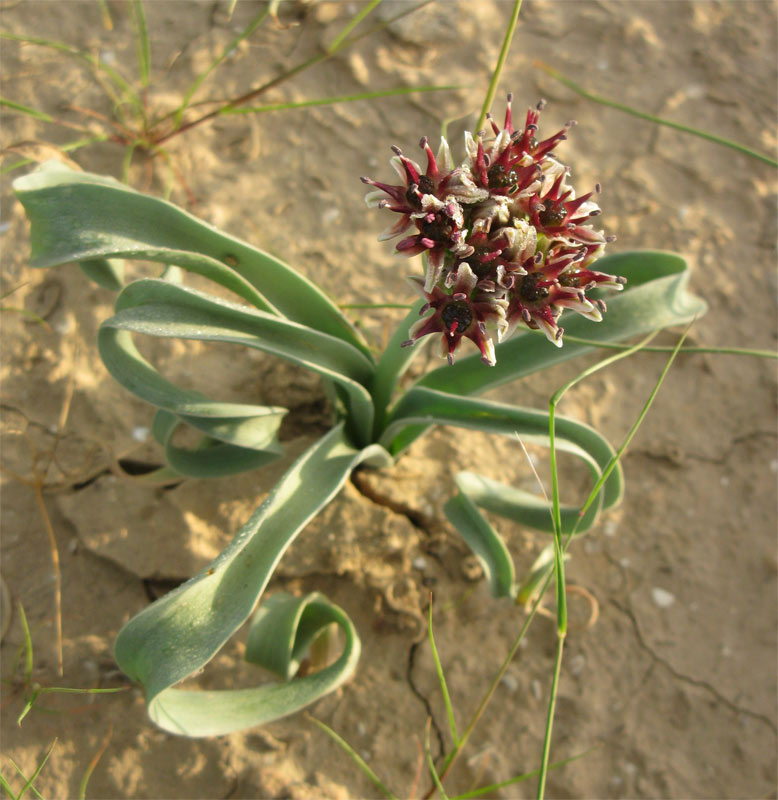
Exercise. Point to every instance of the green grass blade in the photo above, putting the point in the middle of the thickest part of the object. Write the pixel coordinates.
(353, 22)
(77, 216)
(633, 430)
(6, 787)
(177, 635)
(355, 757)
(550, 717)
(34, 776)
(142, 44)
(452, 724)
(604, 101)
(350, 98)
(495, 80)
(92, 61)
(431, 764)
(721, 351)
(519, 778)
(247, 31)
(28, 659)
(30, 112)
(65, 148)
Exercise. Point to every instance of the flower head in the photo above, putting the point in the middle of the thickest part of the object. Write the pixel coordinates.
(505, 238)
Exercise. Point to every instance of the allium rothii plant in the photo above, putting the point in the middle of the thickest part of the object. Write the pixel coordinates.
(508, 247)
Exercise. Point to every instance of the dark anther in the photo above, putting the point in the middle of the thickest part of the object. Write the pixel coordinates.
(426, 185)
(552, 215)
(530, 291)
(500, 179)
(459, 313)
(439, 229)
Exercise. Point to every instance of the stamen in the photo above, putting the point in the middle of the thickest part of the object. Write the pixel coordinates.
(396, 150)
(559, 333)
(423, 142)
(610, 239)
(407, 343)
(601, 305)
(621, 279)
(460, 296)
(541, 104)
(526, 316)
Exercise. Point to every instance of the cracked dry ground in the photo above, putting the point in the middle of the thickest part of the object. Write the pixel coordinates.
(672, 692)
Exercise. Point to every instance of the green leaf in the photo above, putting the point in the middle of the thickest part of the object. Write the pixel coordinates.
(158, 308)
(485, 543)
(440, 408)
(77, 216)
(109, 274)
(179, 634)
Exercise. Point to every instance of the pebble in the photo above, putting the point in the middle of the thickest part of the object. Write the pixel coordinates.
(662, 598)
(420, 563)
(140, 433)
(330, 215)
(509, 682)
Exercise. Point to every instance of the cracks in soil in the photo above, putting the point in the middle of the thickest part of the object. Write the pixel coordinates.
(428, 526)
(699, 683)
(678, 458)
(417, 518)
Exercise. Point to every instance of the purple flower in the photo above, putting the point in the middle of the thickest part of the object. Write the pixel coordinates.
(504, 237)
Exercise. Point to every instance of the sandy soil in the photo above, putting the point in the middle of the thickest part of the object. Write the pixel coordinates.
(672, 692)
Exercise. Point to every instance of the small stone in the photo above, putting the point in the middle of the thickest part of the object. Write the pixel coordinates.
(536, 689)
(140, 433)
(509, 682)
(577, 664)
(662, 598)
(330, 215)
(420, 563)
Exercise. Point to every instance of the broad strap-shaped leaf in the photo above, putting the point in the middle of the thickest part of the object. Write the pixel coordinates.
(655, 296)
(392, 365)
(483, 540)
(78, 216)
(212, 457)
(430, 407)
(159, 308)
(179, 634)
(108, 274)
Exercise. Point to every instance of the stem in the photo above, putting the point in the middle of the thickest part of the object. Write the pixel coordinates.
(711, 137)
(239, 101)
(550, 717)
(457, 749)
(356, 19)
(506, 44)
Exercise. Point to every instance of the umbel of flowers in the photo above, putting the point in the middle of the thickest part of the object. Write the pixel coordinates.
(505, 239)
